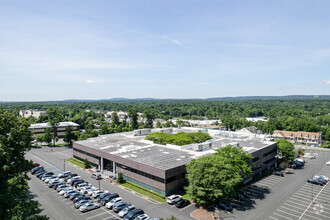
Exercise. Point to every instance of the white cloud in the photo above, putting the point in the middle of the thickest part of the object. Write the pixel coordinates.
(173, 41)
(90, 81)
(325, 82)
(328, 82)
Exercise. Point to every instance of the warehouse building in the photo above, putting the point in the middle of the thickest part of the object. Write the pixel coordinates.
(161, 168)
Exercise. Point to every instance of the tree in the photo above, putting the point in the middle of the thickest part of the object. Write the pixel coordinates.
(115, 118)
(120, 178)
(54, 118)
(47, 136)
(286, 149)
(133, 117)
(69, 136)
(158, 124)
(216, 176)
(15, 140)
(149, 116)
(87, 163)
(301, 151)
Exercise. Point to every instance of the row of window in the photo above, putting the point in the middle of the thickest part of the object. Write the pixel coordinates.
(86, 153)
(269, 152)
(158, 179)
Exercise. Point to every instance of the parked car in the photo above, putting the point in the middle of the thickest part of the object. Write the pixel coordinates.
(91, 190)
(69, 193)
(64, 174)
(73, 178)
(241, 195)
(182, 203)
(132, 214)
(328, 163)
(102, 196)
(39, 173)
(74, 195)
(80, 185)
(96, 176)
(63, 191)
(322, 179)
(142, 217)
(126, 210)
(108, 198)
(112, 202)
(173, 199)
(279, 173)
(78, 198)
(51, 184)
(309, 156)
(224, 206)
(34, 170)
(315, 181)
(89, 206)
(72, 182)
(119, 206)
(61, 187)
(81, 202)
(75, 183)
(96, 193)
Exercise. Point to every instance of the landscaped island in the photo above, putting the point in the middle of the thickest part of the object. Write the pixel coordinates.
(180, 138)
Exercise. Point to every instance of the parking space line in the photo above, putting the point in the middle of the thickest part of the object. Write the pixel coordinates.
(312, 202)
(282, 216)
(96, 215)
(303, 198)
(186, 207)
(287, 213)
(290, 209)
(300, 200)
(273, 218)
(293, 206)
(313, 216)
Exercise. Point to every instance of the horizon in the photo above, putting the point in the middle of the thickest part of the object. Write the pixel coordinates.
(94, 50)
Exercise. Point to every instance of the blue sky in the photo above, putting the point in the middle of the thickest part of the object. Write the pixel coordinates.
(55, 50)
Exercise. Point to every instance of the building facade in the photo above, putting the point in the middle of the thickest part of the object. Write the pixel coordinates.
(32, 113)
(299, 137)
(40, 128)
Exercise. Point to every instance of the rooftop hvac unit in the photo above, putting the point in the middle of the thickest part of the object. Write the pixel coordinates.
(142, 132)
(200, 147)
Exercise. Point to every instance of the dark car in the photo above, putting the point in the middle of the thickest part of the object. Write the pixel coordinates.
(279, 173)
(78, 182)
(36, 169)
(132, 214)
(70, 176)
(119, 206)
(315, 181)
(78, 198)
(57, 184)
(102, 196)
(73, 181)
(108, 198)
(74, 195)
(182, 203)
(224, 206)
(241, 195)
(39, 173)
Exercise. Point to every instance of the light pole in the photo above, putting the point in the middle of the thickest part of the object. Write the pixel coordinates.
(99, 184)
(64, 165)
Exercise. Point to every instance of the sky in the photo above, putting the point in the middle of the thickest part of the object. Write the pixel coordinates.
(76, 49)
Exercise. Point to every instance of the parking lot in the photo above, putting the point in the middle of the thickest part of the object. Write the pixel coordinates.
(58, 207)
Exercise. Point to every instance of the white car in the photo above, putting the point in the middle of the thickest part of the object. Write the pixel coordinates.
(91, 190)
(173, 199)
(96, 193)
(309, 156)
(89, 206)
(328, 163)
(73, 178)
(84, 189)
(110, 204)
(142, 217)
(125, 210)
(49, 179)
(63, 191)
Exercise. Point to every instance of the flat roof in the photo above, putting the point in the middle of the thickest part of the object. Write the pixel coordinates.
(165, 157)
(46, 125)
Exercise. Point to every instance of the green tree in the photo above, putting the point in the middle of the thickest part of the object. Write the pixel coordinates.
(47, 136)
(54, 119)
(115, 118)
(301, 151)
(15, 140)
(217, 176)
(158, 124)
(133, 118)
(120, 178)
(286, 150)
(69, 136)
(149, 116)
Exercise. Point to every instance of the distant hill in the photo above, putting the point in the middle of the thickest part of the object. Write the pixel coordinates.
(238, 98)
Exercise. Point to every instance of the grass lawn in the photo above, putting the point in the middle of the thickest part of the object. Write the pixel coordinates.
(76, 162)
(144, 192)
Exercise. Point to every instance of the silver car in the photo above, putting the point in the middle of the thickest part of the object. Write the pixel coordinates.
(89, 206)
(126, 210)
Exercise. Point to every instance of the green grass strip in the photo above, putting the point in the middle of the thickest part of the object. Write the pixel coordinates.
(76, 162)
(144, 192)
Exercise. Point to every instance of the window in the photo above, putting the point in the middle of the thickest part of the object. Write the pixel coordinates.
(86, 153)
(156, 178)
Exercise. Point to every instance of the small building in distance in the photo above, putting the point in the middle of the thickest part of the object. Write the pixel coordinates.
(40, 128)
(162, 168)
(32, 113)
(256, 119)
(299, 137)
(250, 130)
